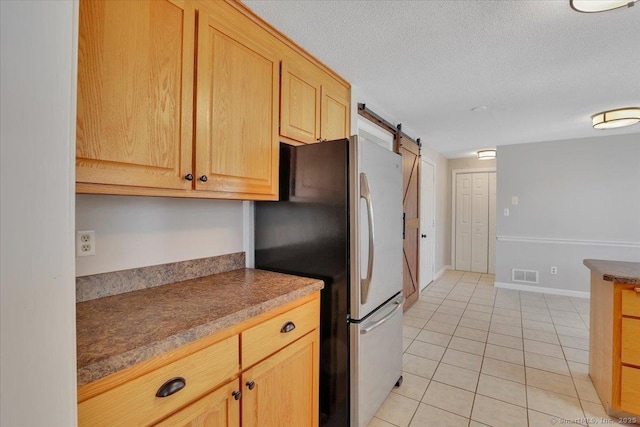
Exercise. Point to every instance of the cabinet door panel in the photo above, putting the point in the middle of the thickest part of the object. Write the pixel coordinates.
(216, 409)
(335, 113)
(237, 103)
(300, 104)
(135, 91)
(286, 387)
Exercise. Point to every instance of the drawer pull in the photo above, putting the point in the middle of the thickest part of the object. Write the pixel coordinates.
(236, 395)
(172, 386)
(288, 327)
(251, 385)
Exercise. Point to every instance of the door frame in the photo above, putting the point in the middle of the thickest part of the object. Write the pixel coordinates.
(426, 159)
(454, 180)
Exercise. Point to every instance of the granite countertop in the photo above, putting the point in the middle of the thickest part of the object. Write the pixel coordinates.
(615, 271)
(116, 332)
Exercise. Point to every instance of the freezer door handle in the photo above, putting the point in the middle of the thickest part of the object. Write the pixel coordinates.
(365, 193)
(377, 323)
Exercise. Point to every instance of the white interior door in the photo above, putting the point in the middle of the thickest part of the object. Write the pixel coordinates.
(427, 224)
(463, 221)
(475, 219)
(492, 223)
(480, 223)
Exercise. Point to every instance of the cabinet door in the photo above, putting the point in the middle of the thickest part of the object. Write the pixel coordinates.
(217, 409)
(300, 103)
(135, 93)
(237, 143)
(285, 387)
(335, 112)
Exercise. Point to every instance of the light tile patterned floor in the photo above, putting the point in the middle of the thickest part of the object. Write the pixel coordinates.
(476, 355)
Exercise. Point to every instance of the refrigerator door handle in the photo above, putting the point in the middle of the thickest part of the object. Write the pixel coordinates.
(374, 325)
(365, 193)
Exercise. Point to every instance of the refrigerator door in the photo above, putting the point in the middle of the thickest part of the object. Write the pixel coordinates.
(376, 360)
(375, 187)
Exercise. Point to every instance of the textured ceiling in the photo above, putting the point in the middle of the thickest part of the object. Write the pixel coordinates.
(541, 68)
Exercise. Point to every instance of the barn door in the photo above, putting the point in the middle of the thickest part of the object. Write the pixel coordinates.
(410, 152)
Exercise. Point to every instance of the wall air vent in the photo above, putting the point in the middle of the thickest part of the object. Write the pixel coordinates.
(524, 276)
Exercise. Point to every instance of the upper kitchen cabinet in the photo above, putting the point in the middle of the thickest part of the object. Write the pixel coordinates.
(135, 94)
(237, 105)
(335, 117)
(183, 98)
(313, 105)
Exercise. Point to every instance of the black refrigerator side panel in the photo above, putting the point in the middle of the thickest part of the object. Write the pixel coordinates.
(306, 233)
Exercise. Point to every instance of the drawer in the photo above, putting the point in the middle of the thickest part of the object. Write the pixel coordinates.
(630, 390)
(270, 336)
(631, 341)
(631, 302)
(135, 402)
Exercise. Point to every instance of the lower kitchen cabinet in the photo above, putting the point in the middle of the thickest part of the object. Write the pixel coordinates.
(276, 391)
(210, 382)
(217, 409)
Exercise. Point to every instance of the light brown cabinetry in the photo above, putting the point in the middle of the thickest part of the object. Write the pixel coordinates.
(183, 98)
(614, 353)
(217, 409)
(215, 383)
(279, 394)
(135, 93)
(237, 105)
(313, 105)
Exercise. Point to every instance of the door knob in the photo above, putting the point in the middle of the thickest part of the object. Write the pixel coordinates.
(424, 236)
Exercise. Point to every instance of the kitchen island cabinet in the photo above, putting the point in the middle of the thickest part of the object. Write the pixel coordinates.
(207, 356)
(614, 353)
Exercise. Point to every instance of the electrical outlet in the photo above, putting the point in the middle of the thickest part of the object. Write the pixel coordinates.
(85, 243)
(554, 270)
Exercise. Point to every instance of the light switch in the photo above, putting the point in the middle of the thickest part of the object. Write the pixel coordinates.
(514, 200)
(506, 212)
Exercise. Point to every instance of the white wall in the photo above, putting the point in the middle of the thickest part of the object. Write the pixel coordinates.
(37, 287)
(443, 176)
(576, 199)
(141, 231)
(471, 163)
(443, 207)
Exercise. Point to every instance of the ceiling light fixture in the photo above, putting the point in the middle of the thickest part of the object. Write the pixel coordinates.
(480, 108)
(486, 154)
(616, 118)
(591, 6)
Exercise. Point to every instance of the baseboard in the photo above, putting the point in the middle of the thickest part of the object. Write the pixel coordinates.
(441, 272)
(542, 290)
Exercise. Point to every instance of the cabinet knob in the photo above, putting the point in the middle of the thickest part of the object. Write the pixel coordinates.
(424, 236)
(204, 178)
(188, 177)
(172, 386)
(251, 385)
(236, 395)
(288, 327)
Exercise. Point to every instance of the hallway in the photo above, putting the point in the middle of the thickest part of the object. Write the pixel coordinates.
(477, 355)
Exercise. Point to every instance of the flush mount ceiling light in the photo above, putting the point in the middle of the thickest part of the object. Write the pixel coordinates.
(616, 118)
(486, 154)
(591, 6)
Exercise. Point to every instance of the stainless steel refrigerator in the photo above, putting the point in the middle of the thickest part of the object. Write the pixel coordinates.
(339, 219)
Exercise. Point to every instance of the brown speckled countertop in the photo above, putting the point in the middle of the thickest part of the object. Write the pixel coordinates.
(119, 331)
(615, 271)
